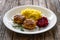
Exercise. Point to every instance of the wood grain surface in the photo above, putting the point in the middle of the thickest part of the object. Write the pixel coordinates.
(53, 34)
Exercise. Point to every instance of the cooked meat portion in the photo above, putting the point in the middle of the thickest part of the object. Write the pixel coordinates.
(29, 24)
(19, 19)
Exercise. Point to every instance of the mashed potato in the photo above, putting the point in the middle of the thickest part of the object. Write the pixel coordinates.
(31, 13)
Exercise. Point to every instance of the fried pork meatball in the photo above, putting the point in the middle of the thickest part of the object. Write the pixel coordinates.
(19, 19)
(29, 24)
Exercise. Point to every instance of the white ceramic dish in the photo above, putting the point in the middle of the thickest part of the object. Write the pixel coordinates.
(48, 13)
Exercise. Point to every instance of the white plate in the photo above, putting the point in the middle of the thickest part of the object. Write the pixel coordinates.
(48, 13)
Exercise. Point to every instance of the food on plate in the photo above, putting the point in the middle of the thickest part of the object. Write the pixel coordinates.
(31, 13)
(30, 18)
(19, 19)
(29, 24)
(35, 16)
(43, 22)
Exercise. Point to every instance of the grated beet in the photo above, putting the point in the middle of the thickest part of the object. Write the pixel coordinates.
(43, 22)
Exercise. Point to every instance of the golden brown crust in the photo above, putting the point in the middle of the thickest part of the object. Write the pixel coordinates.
(29, 24)
(19, 19)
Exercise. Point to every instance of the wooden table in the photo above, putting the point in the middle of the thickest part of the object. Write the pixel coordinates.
(53, 34)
